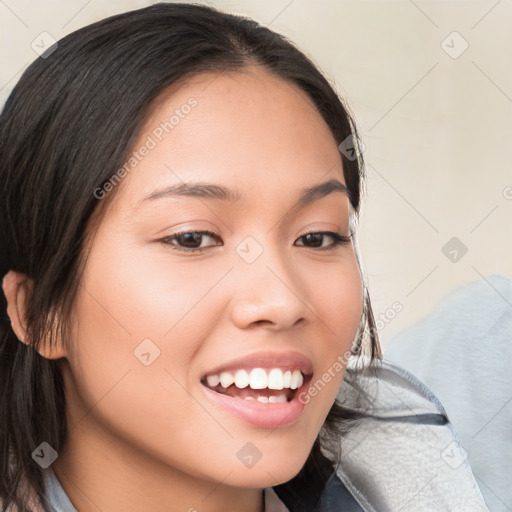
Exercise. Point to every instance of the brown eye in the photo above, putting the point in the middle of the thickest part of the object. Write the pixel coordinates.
(189, 241)
(315, 239)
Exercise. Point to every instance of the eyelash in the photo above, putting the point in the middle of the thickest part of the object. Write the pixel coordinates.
(336, 237)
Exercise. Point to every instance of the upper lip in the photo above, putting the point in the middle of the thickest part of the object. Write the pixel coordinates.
(288, 360)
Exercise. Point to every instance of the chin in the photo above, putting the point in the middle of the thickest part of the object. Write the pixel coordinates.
(278, 469)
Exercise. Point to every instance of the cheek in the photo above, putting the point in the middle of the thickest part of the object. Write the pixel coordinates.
(338, 298)
(140, 319)
(135, 294)
(128, 326)
(338, 295)
(134, 405)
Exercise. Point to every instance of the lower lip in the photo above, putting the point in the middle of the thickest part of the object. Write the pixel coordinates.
(264, 415)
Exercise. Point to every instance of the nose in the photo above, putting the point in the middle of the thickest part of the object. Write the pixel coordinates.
(270, 293)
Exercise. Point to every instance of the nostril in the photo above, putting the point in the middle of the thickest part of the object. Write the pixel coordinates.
(258, 322)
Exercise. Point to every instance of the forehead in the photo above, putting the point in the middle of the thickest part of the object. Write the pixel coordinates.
(250, 129)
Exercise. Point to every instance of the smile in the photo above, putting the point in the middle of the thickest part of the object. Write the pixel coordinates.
(261, 388)
(272, 385)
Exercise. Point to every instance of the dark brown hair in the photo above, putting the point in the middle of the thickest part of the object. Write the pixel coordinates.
(67, 126)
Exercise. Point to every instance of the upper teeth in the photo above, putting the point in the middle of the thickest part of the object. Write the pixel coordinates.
(258, 379)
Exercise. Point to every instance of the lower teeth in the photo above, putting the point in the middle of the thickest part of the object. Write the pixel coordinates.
(263, 399)
(267, 399)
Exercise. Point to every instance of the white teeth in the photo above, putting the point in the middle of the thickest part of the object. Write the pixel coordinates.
(278, 398)
(226, 379)
(213, 380)
(275, 379)
(265, 400)
(297, 379)
(241, 379)
(258, 378)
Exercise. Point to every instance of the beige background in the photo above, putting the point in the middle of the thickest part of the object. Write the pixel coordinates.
(436, 127)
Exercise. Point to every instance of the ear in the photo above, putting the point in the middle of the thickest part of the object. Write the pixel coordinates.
(17, 289)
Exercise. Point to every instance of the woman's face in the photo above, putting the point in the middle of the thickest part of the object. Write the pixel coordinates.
(157, 313)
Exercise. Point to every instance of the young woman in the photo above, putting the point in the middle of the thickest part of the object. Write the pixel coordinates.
(182, 297)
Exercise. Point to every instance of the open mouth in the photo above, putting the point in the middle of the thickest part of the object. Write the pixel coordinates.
(273, 385)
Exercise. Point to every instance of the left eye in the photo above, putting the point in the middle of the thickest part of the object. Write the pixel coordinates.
(316, 238)
(191, 241)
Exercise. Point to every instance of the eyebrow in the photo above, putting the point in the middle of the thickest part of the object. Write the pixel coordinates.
(222, 193)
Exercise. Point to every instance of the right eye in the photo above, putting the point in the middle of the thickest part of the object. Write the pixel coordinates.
(189, 241)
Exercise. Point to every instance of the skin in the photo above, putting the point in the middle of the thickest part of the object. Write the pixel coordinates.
(146, 437)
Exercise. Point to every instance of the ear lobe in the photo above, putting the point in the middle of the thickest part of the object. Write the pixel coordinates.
(17, 289)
